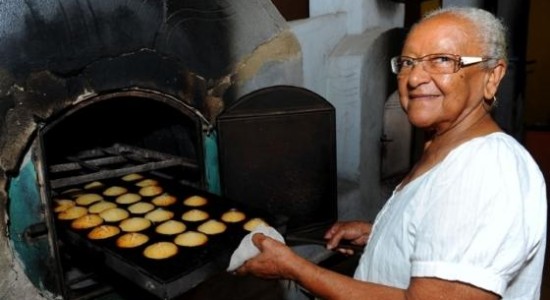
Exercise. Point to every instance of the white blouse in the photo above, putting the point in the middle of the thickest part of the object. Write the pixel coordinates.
(478, 217)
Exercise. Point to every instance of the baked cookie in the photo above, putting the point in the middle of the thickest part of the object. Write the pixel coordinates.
(191, 239)
(87, 199)
(103, 232)
(72, 213)
(86, 222)
(147, 182)
(128, 198)
(194, 215)
(100, 206)
(93, 185)
(63, 205)
(141, 208)
(151, 190)
(253, 223)
(160, 250)
(114, 191)
(212, 227)
(170, 227)
(131, 240)
(132, 177)
(164, 200)
(134, 224)
(159, 215)
(195, 201)
(233, 216)
(114, 214)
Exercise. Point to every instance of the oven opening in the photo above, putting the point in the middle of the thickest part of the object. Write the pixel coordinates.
(129, 132)
(111, 136)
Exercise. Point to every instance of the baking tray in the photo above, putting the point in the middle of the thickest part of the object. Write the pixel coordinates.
(170, 277)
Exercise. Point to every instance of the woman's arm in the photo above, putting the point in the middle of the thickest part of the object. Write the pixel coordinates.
(276, 260)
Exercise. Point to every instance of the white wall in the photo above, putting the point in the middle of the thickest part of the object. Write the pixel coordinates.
(362, 14)
(318, 36)
(342, 24)
(338, 64)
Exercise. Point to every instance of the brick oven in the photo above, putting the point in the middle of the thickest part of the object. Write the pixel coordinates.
(200, 93)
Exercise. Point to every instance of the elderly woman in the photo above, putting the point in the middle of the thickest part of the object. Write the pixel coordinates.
(469, 220)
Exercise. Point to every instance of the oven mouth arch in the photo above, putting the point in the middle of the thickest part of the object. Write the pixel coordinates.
(157, 122)
(136, 92)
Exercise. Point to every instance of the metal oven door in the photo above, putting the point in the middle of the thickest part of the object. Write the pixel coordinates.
(278, 152)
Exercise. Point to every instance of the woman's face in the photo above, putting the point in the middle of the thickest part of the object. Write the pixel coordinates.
(442, 101)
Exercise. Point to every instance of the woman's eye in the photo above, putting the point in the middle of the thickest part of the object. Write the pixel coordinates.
(407, 63)
(441, 59)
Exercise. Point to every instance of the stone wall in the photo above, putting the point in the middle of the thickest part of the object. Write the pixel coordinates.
(57, 53)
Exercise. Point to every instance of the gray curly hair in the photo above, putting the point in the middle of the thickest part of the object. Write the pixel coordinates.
(491, 32)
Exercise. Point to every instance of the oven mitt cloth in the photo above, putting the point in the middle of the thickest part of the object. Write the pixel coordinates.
(246, 249)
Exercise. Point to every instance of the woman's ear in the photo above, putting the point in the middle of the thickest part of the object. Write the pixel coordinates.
(495, 76)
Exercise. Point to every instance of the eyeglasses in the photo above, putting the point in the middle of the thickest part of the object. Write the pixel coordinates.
(434, 63)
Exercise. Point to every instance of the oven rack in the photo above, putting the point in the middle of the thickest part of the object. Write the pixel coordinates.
(116, 160)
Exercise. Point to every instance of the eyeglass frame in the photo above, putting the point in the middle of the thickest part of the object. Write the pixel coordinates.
(460, 62)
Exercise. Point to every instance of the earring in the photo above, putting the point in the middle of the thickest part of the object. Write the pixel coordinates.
(491, 102)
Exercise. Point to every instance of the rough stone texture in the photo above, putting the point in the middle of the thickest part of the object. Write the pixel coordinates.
(13, 283)
(21, 122)
(278, 61)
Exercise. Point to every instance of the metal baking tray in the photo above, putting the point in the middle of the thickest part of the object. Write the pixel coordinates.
(170, 277)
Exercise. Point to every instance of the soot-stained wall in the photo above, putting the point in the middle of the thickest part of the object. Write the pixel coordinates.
(56, 53)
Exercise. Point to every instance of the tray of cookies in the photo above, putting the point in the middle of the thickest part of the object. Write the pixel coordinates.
(162, 235)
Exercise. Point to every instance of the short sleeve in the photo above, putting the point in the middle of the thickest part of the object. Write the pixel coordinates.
(477, 226)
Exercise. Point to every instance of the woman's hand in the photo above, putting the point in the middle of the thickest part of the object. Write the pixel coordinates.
(274, 260)
(357, 232)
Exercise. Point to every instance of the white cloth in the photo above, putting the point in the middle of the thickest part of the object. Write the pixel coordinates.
(246, 249)
(477, 217)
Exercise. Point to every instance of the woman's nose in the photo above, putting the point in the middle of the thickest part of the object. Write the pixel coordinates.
(417, 75)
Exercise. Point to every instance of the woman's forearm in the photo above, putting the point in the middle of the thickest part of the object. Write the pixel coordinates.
(330, 285)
